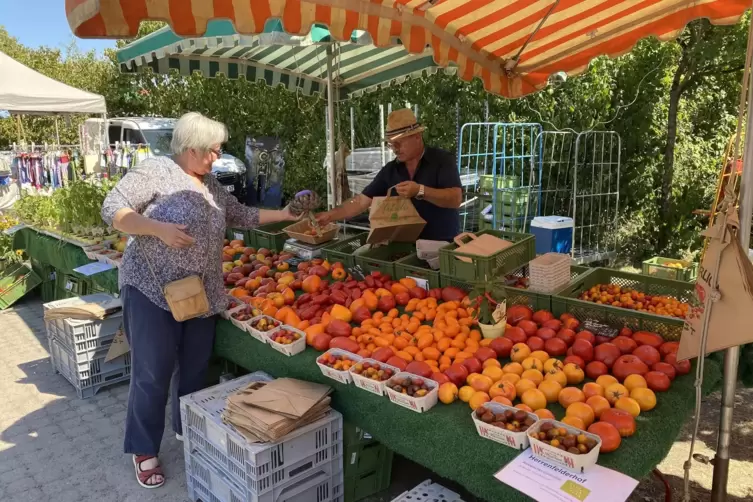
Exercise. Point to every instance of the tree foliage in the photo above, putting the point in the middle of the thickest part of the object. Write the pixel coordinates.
(673, 105)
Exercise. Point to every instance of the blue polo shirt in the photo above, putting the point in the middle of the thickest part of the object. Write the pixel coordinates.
(436, 169)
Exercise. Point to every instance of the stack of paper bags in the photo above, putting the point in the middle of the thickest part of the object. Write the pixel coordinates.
(267, 411)
(84, 311)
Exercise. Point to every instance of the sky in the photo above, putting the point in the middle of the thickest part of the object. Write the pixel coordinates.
(45, 24)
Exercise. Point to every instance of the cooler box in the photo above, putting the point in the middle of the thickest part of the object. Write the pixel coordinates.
(554, 234)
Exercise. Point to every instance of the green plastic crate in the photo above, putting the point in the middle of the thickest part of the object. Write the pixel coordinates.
(47, 274)
(342, 249)
(510, 223)
(247, 236)
(367, 471)
(413, 266)
(353, 435)
(271, 236)
(69, 286)
(659, 267)
(515, 296)
(382, 258)
(16, 280)
(670, 328)
(520, 253)
(486, 182)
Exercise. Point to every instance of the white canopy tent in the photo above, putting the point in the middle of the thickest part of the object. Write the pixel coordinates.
(25, 91)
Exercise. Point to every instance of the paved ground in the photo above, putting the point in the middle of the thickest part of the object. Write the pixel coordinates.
(56, 447)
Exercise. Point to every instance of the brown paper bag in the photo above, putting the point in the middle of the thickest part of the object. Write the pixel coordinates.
(394, 219)
(729, 324)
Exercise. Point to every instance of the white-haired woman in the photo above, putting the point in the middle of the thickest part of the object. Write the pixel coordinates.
(177, 213)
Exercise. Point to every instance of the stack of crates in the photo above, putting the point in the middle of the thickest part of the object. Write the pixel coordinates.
(368, 464)
(222, 466)
(78, 349)
(68, 286)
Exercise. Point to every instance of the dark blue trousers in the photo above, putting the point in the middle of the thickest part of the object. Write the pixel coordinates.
(162, 349)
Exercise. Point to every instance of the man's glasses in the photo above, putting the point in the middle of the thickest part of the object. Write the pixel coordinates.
(217, 152)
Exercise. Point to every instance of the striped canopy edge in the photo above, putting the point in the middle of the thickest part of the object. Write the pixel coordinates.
(513, 46)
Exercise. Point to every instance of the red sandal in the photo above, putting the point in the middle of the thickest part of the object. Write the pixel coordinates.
(143, 476)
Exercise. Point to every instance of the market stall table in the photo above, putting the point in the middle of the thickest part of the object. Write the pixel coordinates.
(444, 439)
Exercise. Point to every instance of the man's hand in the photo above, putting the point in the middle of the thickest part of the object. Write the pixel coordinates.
(324, 219)
(407, 189)
(173, 235)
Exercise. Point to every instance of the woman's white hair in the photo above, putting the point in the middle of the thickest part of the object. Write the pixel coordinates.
(194, 130)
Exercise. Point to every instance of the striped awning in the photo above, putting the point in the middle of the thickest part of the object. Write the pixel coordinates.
(298, 63)
(512, 45)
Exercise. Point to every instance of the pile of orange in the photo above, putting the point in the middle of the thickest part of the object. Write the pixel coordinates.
(617, 296)
(450, 337)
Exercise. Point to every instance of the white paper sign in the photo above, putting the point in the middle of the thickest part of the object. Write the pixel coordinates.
(93, 268)
(421, 283)
(546, 482)
(238, 236)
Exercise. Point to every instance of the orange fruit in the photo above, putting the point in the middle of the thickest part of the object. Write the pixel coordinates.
(614, 392)
(493, 372)
(570, 395)
(477, 399)
(520, 352)
(431, 354)
(465, 393)
(524, 407)
(558, 376)
(515, 368)
(634, 382)
(628, 404)
(448, 392)
(599, 404)
(593, 389)
(552, 363)
(540, 355)
(574, 421)
(470, 378)
(533, 375)
(510, 377)
(482, 383)
(524, 385)
(574, 373)
(534, 398)
(543, 413)
(551, 390)
(504, 389)
(492, 362)
(606, 380)
(502, 400)
(582, 411)
(645, 397)
(531, 363)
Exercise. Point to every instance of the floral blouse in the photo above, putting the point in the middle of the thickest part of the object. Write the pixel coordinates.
(159, 189)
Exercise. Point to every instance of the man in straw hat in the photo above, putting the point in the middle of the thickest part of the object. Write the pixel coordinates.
(425, 174)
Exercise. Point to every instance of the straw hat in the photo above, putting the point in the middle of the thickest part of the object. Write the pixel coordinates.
(402, 123)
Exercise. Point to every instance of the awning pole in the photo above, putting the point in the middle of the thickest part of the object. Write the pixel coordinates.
(732, 354)
(331, 126)
(381, 134)
(57, 131)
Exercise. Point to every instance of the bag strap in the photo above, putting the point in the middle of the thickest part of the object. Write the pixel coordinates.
(389, 190)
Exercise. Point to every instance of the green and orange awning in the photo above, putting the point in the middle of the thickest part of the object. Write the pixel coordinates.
(513, 46)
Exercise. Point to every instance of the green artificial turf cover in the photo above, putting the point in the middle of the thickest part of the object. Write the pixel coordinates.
(444, 439)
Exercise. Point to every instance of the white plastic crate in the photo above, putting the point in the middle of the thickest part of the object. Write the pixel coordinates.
(82, 348)
(428, 492)
(87, 365)
(207, 483)
(258, 468)
(100, 374)
(549, 272)
(77, 334)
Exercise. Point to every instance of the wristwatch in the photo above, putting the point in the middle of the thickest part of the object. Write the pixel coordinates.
(420, 194)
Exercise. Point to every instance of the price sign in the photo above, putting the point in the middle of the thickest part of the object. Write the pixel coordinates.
(238, 236)
(119, 345)
(599, 328)
(421, 283)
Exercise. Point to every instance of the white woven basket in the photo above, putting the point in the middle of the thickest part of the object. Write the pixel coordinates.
(549, 272)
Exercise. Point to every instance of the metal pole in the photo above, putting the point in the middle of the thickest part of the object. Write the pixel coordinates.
(732, 354)
(331, 126)
(381, 134)
(352, 135)
(57, 130)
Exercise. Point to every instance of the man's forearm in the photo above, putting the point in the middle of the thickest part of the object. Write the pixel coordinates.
(350, 208)
(444, 197)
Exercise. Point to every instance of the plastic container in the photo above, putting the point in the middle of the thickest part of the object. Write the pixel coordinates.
(670, 328)
(344, 377)
(257, 467)
(516, 440)
(480, 267)
(207, 483)
(99, 375)
(367, 384)
(271, 236)
(660, 267)
(428, 491)
(554, 234)
(238, 234)
(262, 336)
(417, 404)
(384, 258)
(342, 249)
(368, 470)
(225, 314)
(413, 266)
(577, 463)
(16, 281)
(289, 350)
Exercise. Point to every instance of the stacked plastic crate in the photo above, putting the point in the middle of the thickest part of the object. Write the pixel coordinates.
(368, 464)
(222, 466)
(78, 349)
